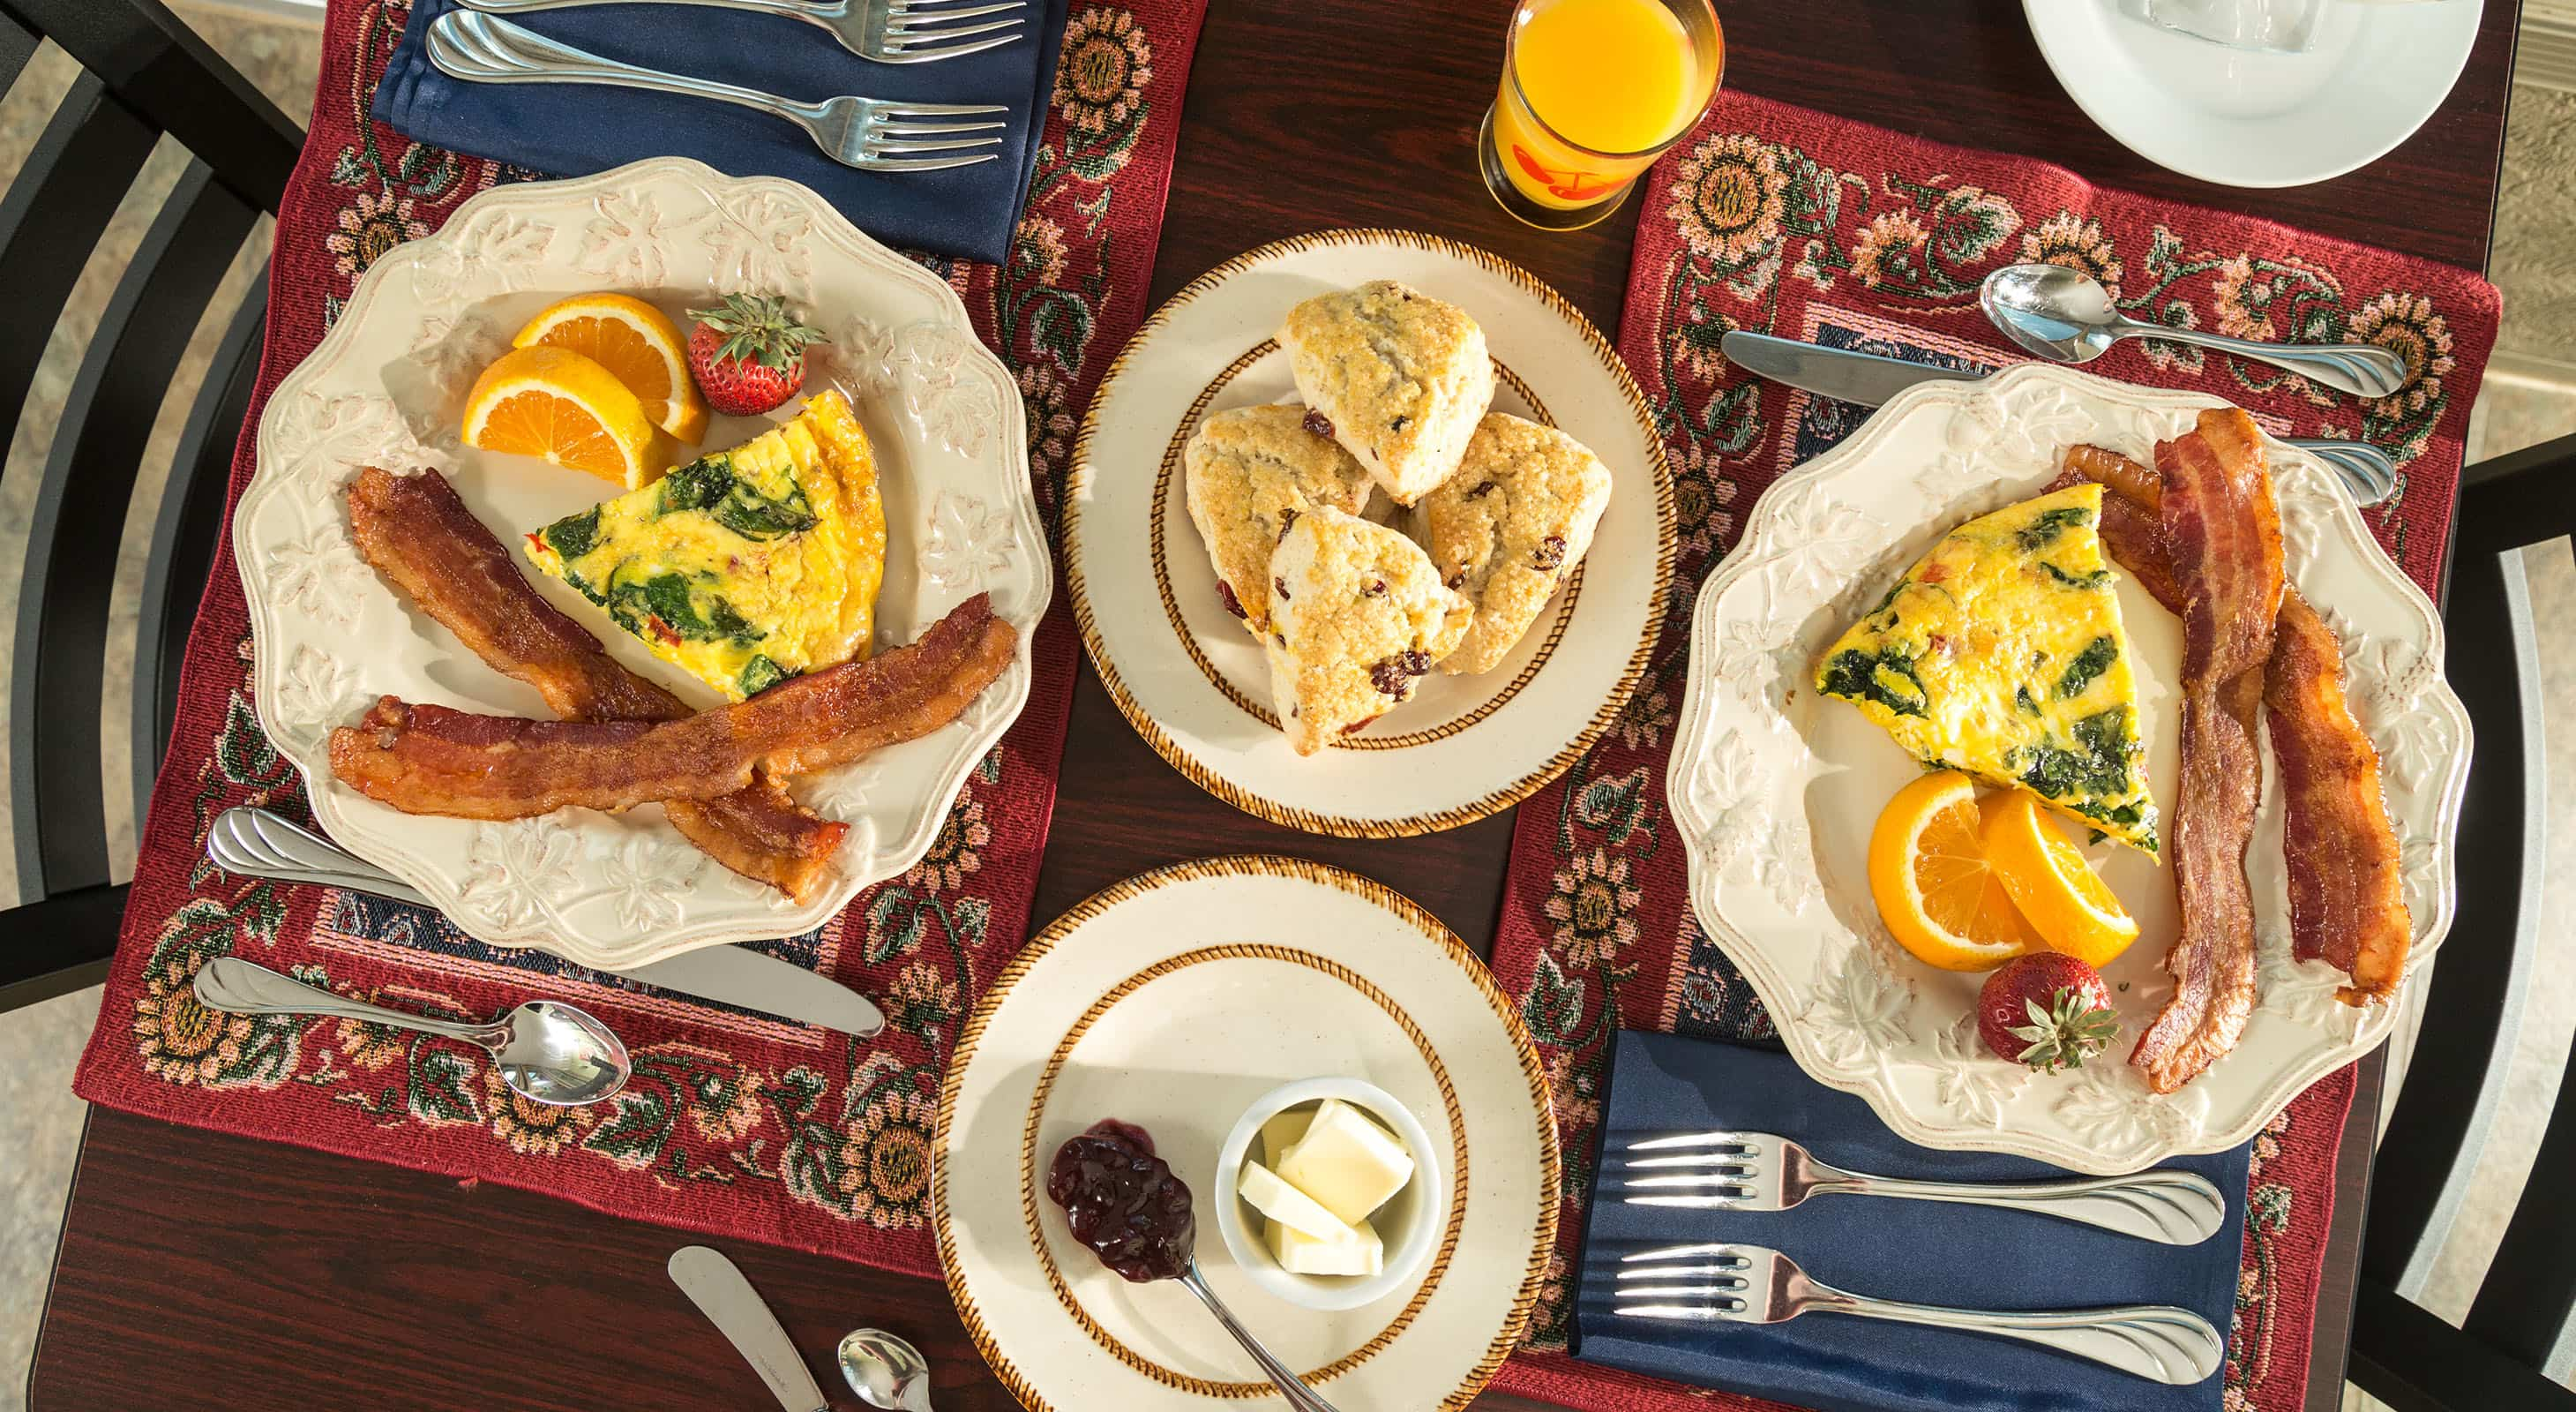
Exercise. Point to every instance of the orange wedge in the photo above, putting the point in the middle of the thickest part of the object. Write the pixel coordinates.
(567, 409)
(640, 347)
(2058, 893)
(1934, 886)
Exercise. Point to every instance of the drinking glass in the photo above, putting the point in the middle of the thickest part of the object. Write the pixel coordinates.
(1592, 92)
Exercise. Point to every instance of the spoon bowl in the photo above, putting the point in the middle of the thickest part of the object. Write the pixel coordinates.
(548, 1052)
(2066, 316)
(885, 1371)
(2051, 311)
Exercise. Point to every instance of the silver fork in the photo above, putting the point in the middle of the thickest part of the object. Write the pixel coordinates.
(867, 133)
(887, 31)
(1752, 1284)
(1738, 1171)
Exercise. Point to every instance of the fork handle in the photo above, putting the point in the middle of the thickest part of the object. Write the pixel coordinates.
(481, 48)
(2155, 1341)
(2169, 1206)
(812, 13)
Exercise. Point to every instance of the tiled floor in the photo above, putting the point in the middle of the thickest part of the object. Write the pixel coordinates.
(2530, 397)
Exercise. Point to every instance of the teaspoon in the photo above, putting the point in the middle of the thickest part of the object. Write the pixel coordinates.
(2065, 315)
(1300, 1396)
(548, 1052)
(885, 1371)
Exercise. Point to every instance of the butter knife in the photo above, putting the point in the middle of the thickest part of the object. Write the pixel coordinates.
(716, 1285)
(259, 843)
(1870, 379)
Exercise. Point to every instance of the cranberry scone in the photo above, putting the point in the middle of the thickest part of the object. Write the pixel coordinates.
(1509, 527)
(1400, 377)
(1248, 473)
(1357, 617)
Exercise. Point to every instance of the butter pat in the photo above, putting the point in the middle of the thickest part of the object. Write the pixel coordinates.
(1346, 1162)
(1282, 1132)
(1299, 1254)
(1286, 1206)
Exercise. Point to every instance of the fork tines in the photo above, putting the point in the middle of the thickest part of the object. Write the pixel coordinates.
(1716, 1278)
(917, 30)
(1713, 1177)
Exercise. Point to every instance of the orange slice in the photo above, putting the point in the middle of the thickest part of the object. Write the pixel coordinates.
(567, 409)
(1934, 886)
(640, 347)
(2057, 891)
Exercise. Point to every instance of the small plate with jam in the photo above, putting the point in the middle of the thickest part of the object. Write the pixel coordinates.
(1171, 1005)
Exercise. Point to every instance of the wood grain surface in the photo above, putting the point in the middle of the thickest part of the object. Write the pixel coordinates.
(199, 1270)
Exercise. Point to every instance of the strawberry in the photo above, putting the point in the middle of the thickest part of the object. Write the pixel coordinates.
(748, 354)
(2047, 1010)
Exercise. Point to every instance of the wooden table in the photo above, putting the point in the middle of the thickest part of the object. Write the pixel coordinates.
(203, 1270)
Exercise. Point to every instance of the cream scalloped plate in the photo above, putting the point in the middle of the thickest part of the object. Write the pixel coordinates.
(386, 388)
(1776, 789)
(1196, 685)
(1173, 1001)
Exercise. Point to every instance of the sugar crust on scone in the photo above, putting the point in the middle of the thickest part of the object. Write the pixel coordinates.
(1247, 474)
(1510, 527)
(1358, 616)
(1401, 376)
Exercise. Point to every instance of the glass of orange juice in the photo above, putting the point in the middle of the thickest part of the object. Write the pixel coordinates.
(1593, 91)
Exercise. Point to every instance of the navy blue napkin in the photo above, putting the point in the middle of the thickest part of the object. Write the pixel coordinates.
(574, 130)
(1929, 1252)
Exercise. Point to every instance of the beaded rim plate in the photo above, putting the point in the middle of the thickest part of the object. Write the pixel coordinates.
(384, 388)
(1776, 789)
(1175, 1000)
(1195, 684)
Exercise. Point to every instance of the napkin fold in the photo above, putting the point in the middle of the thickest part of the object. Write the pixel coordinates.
(575, 130)
(1929, 1252)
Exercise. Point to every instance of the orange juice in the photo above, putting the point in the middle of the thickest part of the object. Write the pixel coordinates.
(1593, 90)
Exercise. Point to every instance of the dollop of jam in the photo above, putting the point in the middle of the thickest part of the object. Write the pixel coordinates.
(1123, 1201)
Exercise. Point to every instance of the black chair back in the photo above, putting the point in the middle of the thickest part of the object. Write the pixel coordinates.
(144, 74)
(2516, 1335)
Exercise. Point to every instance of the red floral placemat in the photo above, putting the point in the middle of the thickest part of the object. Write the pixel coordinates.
(1779, 219)
(735, 1124)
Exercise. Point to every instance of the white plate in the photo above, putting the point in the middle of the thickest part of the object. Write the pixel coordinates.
(2236, 118)
(1195, 684)
(1173, 1001)
(1776, 789)
(386, 387)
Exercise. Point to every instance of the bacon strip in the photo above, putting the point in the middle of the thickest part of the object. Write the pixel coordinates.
(2347, 901)
(425, 759)
(2347, 898)
(420, 536)
(2223, 531)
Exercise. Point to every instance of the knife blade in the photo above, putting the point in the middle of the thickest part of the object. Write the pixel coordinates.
(260, 843)
(1870, 379)
(720, 1291)
(1866, 379)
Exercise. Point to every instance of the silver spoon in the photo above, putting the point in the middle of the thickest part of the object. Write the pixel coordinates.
(2065, 315)
(548, 1052)
(885, 1371)
(1300, 1396)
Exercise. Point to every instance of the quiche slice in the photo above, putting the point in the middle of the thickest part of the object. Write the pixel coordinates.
(2001, 654)
(743, 567)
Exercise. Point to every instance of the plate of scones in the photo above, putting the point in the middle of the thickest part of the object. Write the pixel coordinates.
(1369, 533)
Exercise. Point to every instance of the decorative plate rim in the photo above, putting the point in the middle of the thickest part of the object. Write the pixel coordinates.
(1031, 572)
(1273, 865)
(1659, 466)
(1782, 991)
